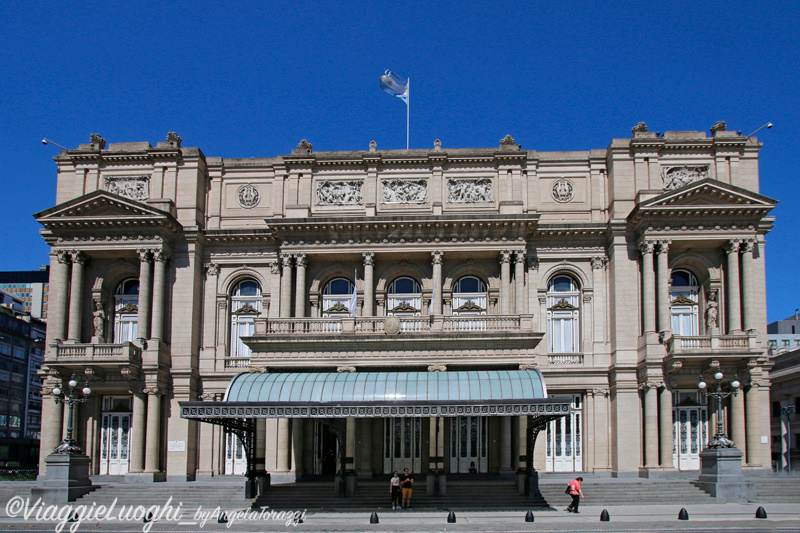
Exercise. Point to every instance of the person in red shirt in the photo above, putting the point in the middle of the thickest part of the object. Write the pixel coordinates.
(576, 493)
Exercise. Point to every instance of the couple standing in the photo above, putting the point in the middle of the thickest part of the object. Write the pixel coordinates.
(400, 488)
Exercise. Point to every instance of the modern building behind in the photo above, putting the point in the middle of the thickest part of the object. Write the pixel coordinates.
(785, 395)
(621, 275)
(32, 286)
(784, 335)
(22, 339)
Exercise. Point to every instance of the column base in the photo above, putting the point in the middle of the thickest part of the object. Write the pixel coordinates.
(145, 477)
(66, 479)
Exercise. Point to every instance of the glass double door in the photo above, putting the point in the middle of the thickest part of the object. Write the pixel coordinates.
(235, 460)
(564, 441)
(402, 444)
(689, 436)
(115, 443)
(468, 444)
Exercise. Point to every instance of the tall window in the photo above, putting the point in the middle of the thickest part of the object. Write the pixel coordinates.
(684, 303)
(336, 296)
(126, 311)
(245, 307)
(563, 312)
(404, 298)
(469, 296)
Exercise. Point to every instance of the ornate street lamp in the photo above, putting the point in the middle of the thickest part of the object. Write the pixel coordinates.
(720, 440)
(68, 446)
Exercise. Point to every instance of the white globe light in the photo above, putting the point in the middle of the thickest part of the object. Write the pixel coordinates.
(87, 391)
(73, 383)
(701, 385)
(718, 376)
(735, 384)
(57, 391)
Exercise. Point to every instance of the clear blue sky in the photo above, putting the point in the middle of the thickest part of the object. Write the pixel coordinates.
(241, 79)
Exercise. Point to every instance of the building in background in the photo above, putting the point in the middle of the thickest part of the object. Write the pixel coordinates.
(22, 340)
(785, 396)
(784, 335)
(32, 286)
(618, 276)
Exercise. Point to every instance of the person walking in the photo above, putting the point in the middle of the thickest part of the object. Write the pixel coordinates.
(406, 484)
(575, 491)
(394, 489)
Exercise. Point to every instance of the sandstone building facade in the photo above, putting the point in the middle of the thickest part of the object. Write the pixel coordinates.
(620, 275)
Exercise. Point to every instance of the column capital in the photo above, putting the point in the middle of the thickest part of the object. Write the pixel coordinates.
(212, 269)
(369, 258)
(136, 388)
(648, 385)
(79, 257)
(519, 256)
(663, 246)
(161, 256)
(301, 260)
(152, 390)
(732, 246)
(600, 392)
(436, 257)
(647, 247)
(314, 304)
(285, 260)
(533, 262)
(63, 257)
(505, 256)
(599, 262)
(274, 268)
(145, 255)
(748, 245)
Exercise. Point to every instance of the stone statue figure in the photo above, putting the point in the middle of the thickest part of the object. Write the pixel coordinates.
(99, 319)
(712, 310)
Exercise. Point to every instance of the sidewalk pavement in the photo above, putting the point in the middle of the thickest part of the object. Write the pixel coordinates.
(784, 518)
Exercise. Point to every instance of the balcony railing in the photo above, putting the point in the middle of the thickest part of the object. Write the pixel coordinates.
(97, 353)
(237, 362)
(408, 324)
(711, 343)
(565, 359)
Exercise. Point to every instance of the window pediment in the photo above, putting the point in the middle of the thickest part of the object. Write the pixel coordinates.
(470, 306)
(129, 307)
(563, 305)
(682, 299)
(247, 309)
(338, 308)
(405, 307)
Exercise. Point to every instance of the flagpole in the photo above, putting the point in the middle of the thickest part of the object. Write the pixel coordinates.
(408, 111)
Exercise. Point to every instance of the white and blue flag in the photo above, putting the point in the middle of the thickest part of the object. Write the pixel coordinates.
(352, 305)
(394, 85)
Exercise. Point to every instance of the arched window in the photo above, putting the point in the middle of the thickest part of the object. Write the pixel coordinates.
(563, 313)
(683, 296)
(245, 307)
(469, 296)
(336, 297)
(404, 298)
(126, 311)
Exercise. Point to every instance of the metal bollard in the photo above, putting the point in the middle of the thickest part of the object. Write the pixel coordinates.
(373, 519)
(683, 515)
(451, 518)
(761, 513)
(529, 516)
(604, 516)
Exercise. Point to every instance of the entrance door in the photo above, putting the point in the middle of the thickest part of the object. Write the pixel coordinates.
(564, 449)
(326, 449)
(468, 443)
(689, 436)
(235, 461)
(402, 444)
(114, 444)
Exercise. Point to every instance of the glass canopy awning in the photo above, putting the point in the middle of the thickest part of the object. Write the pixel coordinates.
(381, 394)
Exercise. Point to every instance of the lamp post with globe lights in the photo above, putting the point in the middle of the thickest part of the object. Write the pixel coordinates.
(786, 412)
(68, 446)
(720, 439)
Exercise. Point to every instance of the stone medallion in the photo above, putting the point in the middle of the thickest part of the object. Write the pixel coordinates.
(248, 196)
(391, 325)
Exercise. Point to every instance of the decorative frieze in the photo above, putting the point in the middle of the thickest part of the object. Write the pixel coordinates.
(330, 192)
(133, 187)
(397, 191)
(469, 190)
(677, 177)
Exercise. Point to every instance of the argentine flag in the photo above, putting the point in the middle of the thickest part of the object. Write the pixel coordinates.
(394, 85)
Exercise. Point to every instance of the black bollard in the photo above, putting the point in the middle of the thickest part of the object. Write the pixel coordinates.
(451, 518)
(604, 516)
(223, 518)
(148, 518)
(761, 513)
(373, 518)
(683, 515)
(529, 516)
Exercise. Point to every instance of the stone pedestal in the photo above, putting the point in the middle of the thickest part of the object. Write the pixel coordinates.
(721, 475)
(437, 482)
(346, 484)
(66, 479)
(532, 485)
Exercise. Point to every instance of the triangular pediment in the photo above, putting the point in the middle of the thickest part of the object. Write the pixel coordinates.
(703, 199)
(105, 208)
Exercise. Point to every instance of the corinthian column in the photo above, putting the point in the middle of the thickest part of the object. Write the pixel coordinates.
(752, 424)
(650, 425)
(301, 261)
(662, 280)
(153, 447)
(369, 283)
(505, 282)
(145, 293)
(60, 282)
(75, 296)
(648, 286)
(665, 428)
(286, 286)
(733, 292)
(748, 285)
(436, 258)
(519, 282)
(159, 284)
